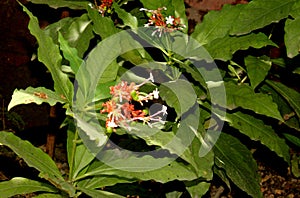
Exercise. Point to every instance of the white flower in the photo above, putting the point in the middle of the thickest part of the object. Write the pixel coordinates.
(169, 20)
(155, 94)
(112, 124)
(164, 110)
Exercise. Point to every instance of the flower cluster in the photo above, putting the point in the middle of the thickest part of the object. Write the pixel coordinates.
(104, 7)
(121, 109)
(162, 23)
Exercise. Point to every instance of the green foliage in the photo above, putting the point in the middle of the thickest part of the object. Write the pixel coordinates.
(196, 93)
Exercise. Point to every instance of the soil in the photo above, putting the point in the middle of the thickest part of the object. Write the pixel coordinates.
(32, 122)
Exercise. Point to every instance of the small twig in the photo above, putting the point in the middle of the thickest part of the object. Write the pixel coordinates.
(219, 192)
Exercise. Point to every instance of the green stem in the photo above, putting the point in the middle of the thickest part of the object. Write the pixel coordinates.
(71, 165)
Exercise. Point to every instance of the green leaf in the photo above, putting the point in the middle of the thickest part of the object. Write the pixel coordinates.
(80, 5)
(292, 37)
(79, 33)
(37, 159)
(259, 13)
(224, 48)
(103, 181)
(48, 53)
(198, 190)
(295, 10)
(49, 195)
(292, 96)
(178, 94)
(127, 18)
(19, 185)
(136, 166)
(257, 130)
(70, 54)
(174, 194)
(35, 95)
(153, 5)
(257, 69)
(245, 97)
(103, 26)
(99, 193)
(216, 24)
(237, 160)
(293, 139)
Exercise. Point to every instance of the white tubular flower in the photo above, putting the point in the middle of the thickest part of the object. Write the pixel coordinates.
(156, 94)
(169, 20)
(164, 110)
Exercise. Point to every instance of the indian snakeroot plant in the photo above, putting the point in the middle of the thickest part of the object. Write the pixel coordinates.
(145, 103)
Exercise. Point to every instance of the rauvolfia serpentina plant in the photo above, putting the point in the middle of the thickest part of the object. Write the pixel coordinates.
(145, 101)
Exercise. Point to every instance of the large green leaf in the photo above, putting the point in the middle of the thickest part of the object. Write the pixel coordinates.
(257, 130)
(292, 37)
(48, 53)
(136, 165)
(291, 95)
(36, 158)
(35, 95)
(224, 48)
(19, 185)
(49, 195)
(63, 3)
(237, 160)
(178, 94)
(259, 13)
(70, 54)
(257, 69)
(153, 5)
(216, 24)
(244, 96)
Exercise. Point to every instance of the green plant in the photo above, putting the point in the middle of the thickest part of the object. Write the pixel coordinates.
(241, 92)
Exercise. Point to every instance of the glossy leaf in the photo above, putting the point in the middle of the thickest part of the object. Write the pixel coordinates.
(19, 185)
(48, 53)
(70, 54)
(49, 195)
(237, 160)
(223, 48)
(257, 130)
(292, 37)
(245, 97)
(291, 95)
(35, 95)
(216, 24)
(257, 69)
(37, 159)
(80, 5)
(260, 13)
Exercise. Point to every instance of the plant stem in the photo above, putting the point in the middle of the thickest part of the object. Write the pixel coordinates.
(71, 165)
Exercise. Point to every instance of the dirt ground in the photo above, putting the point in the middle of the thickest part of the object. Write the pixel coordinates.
(31, 121)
